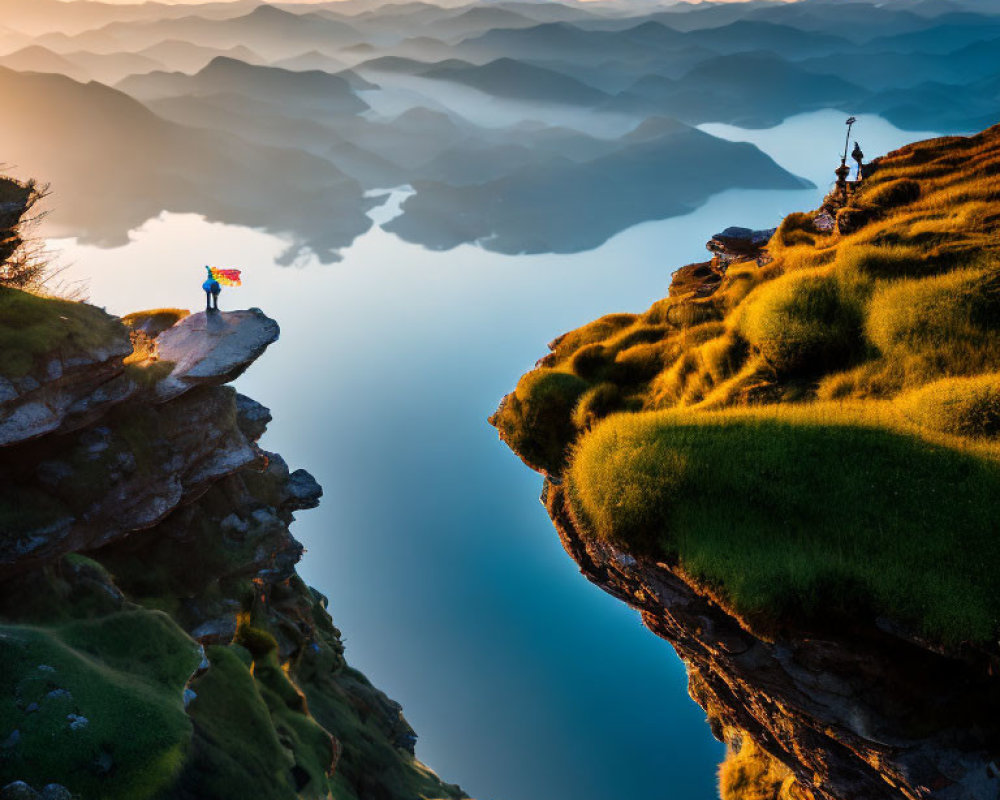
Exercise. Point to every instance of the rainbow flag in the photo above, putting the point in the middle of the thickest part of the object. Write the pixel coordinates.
(227, 277)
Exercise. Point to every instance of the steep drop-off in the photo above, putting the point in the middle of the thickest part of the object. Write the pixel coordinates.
(790, 467)
(155, 639)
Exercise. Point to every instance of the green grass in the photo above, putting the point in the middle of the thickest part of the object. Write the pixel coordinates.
(536, 418)
(124, 674)
(804, 513)
(803, 322)
(33, 328)
(946, 324)
(236, 750)
(802, 506)
(299, 733)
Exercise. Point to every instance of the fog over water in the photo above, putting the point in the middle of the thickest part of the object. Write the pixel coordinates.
(522, 680)
(398, 93)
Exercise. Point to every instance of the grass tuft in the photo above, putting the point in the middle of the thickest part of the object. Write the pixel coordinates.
(961, 406)
(536, 420)
(803, 322)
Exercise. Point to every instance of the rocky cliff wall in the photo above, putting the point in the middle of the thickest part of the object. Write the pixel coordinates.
(156, 640)
(849, 715)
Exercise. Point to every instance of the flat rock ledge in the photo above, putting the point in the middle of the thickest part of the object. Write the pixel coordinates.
(212, 348)
(69, 393)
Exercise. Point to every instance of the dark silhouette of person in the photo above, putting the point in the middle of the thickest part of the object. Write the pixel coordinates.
(212, 291)
(858, 156)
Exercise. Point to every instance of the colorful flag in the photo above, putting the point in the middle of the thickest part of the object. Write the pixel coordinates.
(227, 277)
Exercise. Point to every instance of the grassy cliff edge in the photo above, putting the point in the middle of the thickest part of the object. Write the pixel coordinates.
(811, 433)
(157, 642)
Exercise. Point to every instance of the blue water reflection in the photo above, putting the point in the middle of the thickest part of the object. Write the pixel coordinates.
(523, 681)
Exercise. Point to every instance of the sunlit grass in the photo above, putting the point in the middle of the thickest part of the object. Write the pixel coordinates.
(961, 406)
(34, 328)
(849, 464)
(803, 511)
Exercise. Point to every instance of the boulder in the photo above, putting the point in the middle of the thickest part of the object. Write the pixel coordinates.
(220, 630)
(824, 222)
(212, 348)
(252, 417)
(739, 244)
(302, 491)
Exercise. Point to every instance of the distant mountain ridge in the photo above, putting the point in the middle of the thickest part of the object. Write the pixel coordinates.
(379, 91)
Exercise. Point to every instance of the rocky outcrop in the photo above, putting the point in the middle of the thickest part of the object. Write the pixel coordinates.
(861, 715)
(739, 244)
(731, 246)
(102, 481)
(64, 393)
(147, 569)
(212, 348)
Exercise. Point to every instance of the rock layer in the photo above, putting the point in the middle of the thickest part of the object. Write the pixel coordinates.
(64, 394)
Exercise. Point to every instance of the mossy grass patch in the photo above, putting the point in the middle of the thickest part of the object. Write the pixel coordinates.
(96, 704)
(804, 513)
(34, 327)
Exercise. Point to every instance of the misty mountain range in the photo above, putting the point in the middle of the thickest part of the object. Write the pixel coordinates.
(521, 126)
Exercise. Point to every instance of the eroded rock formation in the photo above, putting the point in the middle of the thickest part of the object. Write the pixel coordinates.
(147, 571)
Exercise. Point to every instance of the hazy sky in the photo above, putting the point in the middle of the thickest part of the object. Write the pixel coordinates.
(195, 2)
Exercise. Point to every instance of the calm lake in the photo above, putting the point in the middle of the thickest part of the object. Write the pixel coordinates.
(522, 680)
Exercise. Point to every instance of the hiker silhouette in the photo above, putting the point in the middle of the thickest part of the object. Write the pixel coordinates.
(858, 156)
(212, 290)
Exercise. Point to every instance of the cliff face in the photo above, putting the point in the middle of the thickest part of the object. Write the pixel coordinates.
(156, 640)
(867, 714)
(779, 466)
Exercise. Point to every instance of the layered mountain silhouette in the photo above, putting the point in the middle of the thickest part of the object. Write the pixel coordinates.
(507, 77)
(320, 92)
(283, 115)
(750, 89)
(88, 140)
(562, 205)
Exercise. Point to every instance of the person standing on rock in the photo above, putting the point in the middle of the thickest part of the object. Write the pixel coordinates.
(858, 156)
(212, 291)
(217, 278)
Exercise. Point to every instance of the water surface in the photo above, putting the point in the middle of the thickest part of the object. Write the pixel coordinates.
(522, 680)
